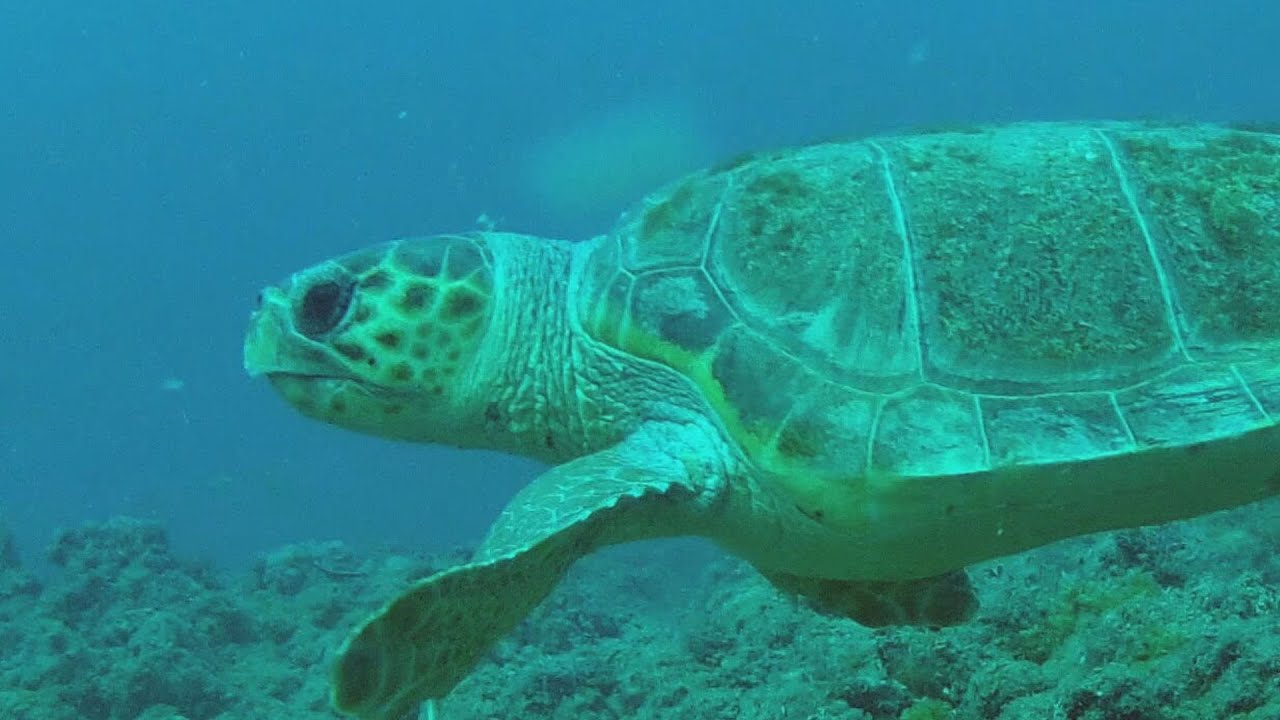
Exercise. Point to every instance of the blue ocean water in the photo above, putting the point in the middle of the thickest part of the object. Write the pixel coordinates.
(162, 161)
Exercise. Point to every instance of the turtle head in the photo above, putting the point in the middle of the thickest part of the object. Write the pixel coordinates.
(383, 340)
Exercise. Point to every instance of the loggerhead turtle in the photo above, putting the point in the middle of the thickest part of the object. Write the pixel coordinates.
(861, 366)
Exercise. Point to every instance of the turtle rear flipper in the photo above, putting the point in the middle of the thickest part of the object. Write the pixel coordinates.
(420, 645)
(939, 601)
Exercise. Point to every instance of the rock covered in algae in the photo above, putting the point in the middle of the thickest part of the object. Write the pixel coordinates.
(1179, 622)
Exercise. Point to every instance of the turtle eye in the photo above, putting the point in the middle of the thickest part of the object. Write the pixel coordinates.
(323, 306)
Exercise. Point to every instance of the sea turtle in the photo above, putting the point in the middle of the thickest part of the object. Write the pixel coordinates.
(860, 365)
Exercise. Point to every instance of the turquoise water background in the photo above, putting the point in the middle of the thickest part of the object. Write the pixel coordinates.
(160, 161)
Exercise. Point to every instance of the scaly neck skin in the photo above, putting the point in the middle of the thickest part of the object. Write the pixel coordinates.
(536, 384)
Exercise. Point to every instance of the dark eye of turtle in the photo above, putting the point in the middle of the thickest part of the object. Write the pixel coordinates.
(323, 307)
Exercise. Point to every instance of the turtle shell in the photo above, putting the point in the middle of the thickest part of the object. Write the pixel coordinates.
(958, 303)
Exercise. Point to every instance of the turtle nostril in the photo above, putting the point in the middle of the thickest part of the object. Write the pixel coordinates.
(323, 306)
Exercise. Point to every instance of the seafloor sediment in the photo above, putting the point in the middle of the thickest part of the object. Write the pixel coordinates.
(1176, 622)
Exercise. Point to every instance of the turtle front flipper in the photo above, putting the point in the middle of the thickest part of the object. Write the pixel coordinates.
(939, 601)
(424, 642)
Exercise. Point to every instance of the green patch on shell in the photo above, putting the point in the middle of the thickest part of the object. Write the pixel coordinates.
(698, 367)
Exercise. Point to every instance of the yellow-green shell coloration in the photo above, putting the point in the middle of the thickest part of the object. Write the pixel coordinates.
(907, 327)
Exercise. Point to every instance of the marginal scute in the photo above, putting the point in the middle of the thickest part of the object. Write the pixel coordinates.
(759, 382)
(1203, 403)
(1052, 428)
(1262, 378)
(931, 430)
(825, 432)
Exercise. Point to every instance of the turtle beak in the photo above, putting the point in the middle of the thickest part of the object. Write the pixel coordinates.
(274, 348)
(267, 341)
